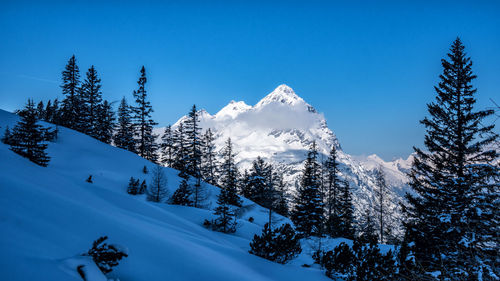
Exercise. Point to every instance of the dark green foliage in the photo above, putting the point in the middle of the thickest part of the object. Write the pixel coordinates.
(208, 158)
(180, 151)
(452, 215)
(226, 216)
(193, 145)
(133, 186)
(143, 123)
(124, 137)
(182, 196)
(308, 212)
(229, 175)
(7, 136)
(279, 245)
(90, 99)
(105, 123)
(106, 256)
(28, 138)
(71, 112)
(168, 147)
(339, 262)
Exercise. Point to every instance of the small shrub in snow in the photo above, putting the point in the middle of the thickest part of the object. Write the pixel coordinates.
(279, 245)
(182, 196)
(89, 179)
(106, 256)
(143, 187)
(133, 186)
(145, 169)
(362, 262)
(251, 219)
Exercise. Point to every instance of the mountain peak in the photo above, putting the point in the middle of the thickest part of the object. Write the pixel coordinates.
(282, 94)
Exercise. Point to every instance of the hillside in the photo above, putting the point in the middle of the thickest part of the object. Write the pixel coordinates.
(49, 216)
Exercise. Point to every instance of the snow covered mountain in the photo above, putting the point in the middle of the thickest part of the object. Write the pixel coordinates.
(280, 129)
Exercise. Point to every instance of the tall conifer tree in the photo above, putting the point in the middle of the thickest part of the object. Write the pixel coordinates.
(71, 104)
(124, 137)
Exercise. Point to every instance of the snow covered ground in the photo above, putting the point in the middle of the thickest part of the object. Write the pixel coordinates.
(48, 216)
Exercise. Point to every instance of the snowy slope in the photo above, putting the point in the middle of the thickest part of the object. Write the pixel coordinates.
(280, 128)
(50, 215)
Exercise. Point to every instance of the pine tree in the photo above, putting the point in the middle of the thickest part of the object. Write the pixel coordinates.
(124, 137)
(345, 226)
(226, 216)
(281, 200)
(105, 123)
(259, 182)
(91, 98)
(157, 189)
(143, 123)
(308, 212)
(452, 216)
(71, 104)
(7, 136)
(180, 155)
(40, 111)
(28, 138)
(367, 230)
(208, 159)
(279, 245)
(182, 196)
(381, 205)
(193, 141)
(333, 186)
(167, 147)
(133, 186)
(229, 175)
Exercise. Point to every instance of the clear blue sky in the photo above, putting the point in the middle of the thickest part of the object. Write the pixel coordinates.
(370, 67)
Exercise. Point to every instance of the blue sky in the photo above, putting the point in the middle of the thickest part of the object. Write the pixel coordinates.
(369, 67)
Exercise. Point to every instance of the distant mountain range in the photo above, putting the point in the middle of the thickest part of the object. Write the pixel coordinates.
(281, 127)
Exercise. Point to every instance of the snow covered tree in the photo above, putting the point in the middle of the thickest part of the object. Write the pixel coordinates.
(452, 215)
(229, 175)
(279, 245)
(307, 214)
(259, 182)
(143, 123)
(167, 147)
(208, 158)
(157, 189)
(124, 137)
(28, 138)
(104, 123)
(71, 105)
(280, 205)
(90, 101)
(106, 255)
(182, 195)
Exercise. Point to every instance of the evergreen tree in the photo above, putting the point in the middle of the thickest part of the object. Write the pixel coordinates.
(381, 205)
(133, 186)
(157, 190)
(452, 215)
(345, 226)
(226, 216)
(7, 136)
(280, 205)
(182, 196)
(308, 212)
(105, 123)
(193, 159)
(259, 182)
(208, 160)
(124, 137)
(91, 98)
(143, 123)
(180, 155)
(229, 175)
(279, 245)
(333, 186)
(367, 230)
(167, 147)
(40, 111)
(71, 104)
(28, 138)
